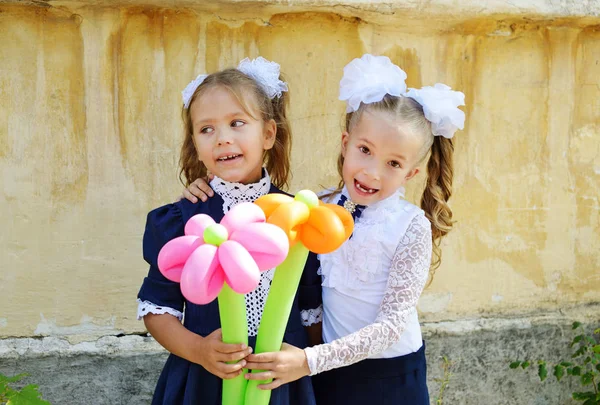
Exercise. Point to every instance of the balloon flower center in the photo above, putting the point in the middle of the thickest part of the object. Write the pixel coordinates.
(307, 197)
(215, 234)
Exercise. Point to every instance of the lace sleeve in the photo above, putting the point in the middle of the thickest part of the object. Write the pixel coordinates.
(407, 278)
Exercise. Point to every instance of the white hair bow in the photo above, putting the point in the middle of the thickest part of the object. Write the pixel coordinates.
(264, 72)
(368, 79)
(440, 106)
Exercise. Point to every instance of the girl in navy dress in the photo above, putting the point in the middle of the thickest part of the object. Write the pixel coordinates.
(373, 351)
(235, 122)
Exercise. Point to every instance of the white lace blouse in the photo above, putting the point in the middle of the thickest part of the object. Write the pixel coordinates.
(371, 286)
(233, 194)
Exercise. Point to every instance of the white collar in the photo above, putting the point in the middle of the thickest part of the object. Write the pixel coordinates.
(235, 193)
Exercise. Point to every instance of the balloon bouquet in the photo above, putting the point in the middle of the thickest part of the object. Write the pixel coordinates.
(224, 261)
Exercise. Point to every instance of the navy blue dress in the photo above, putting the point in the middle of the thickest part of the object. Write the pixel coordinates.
(182, 382)
(399, 380)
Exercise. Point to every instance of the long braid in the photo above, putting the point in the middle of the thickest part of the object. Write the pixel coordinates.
(438, 190)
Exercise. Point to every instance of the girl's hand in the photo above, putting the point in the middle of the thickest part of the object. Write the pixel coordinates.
(213, 355)
(283, 367)
(210, 352)
(198, 189)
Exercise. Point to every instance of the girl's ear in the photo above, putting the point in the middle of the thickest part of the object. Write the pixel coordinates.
(270, 134)
(411, 174)
(345, 138)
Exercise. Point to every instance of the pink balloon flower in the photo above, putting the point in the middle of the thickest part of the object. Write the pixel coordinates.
(235, 251)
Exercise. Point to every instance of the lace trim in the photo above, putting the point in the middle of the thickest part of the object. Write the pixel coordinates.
(312, 316)
(146, 307)
(407, 276)
(233, 194)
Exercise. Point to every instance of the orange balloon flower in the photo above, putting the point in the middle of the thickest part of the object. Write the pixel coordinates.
(322, 228)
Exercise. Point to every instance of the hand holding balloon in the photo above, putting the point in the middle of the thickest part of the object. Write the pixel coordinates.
(214, 355)
(282, 367)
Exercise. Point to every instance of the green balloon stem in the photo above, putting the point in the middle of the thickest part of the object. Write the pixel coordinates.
(276, 314)
(232, 311)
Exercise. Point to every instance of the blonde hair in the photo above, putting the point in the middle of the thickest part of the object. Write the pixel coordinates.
(440, 167)
(252, 98)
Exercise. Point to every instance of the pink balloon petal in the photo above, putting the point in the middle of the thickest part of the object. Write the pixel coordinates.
(241, 272)
(197, 224)
(173, 255)
(241, 215)
(202, 277)
(267, 244)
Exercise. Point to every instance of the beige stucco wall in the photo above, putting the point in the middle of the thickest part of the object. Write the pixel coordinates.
(90, 134)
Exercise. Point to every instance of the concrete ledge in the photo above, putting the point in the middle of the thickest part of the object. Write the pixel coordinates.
(137, 344)
(125, 369)
(128, 345)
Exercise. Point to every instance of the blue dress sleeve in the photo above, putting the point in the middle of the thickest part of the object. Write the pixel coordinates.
(309, 291)
(162, 225)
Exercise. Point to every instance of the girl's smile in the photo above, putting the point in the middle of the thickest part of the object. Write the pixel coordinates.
(363, 189)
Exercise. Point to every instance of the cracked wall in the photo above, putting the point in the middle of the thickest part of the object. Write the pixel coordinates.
(90, 131)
